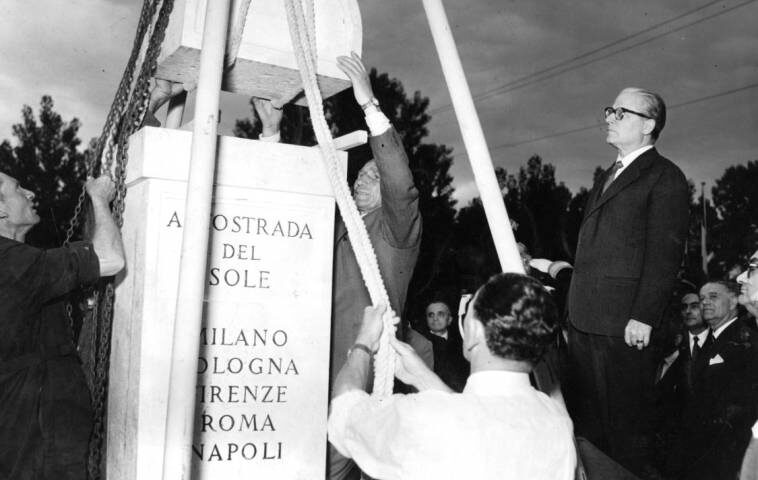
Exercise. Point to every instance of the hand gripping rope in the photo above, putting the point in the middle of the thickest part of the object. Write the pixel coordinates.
(300, 16)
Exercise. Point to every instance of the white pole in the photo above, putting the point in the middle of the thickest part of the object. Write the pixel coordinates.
(177, 459)
(473, 139)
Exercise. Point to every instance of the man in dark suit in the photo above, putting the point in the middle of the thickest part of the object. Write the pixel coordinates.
(674, 381)
(449, 363)
(715, 426)
(628, 252)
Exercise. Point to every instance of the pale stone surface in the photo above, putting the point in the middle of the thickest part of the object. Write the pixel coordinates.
(267, 312)
(266, 65)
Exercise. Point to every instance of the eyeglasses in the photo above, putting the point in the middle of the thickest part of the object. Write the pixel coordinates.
(752, 267)
(462, 308)
(619, 112)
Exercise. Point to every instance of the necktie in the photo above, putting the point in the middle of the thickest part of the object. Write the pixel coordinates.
(695, 348)
(612, 174)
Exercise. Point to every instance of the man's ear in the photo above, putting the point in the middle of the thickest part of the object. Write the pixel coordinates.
(649, 126)
(478, 331)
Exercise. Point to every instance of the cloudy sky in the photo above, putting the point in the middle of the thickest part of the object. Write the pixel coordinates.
(541, 72)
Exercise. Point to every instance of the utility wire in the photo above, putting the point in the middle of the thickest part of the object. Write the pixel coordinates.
(556, 69)
(563, 133)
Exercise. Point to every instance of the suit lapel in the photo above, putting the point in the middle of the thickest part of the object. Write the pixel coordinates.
(626, 178)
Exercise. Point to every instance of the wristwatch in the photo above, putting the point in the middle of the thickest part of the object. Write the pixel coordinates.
(373, 102)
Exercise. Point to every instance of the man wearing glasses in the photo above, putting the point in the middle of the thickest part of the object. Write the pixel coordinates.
(628, 253)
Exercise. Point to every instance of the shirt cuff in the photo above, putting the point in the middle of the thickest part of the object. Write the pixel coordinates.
(275, 138)
(755, 430)
(377, 122)
(339, 418)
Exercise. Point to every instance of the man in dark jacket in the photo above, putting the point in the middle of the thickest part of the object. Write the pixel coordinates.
(716, 421)
(629, 249)
(449, 363)
(45, 419)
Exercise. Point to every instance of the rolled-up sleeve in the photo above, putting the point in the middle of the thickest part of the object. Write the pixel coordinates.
(57, 271)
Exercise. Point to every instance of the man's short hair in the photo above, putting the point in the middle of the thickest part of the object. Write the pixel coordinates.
(655, 107)
(732, 287)
(441, 302)
(519, 317)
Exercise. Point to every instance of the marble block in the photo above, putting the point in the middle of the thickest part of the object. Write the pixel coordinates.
(264, 346)
(266, 65)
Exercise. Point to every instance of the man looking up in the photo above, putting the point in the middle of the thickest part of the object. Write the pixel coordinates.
(45, 419)
(628, 252)
(387, 200)
(499, 428)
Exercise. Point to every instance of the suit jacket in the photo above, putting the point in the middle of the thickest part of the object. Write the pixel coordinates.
(717, 418)
(449, 363)
(630, 245)
(395, 232)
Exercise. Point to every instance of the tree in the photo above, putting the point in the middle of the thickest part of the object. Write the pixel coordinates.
(46, 160)
(734, 235)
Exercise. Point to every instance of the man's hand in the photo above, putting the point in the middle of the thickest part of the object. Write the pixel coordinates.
(163, 91)
(269, 115)
(100, 189)
(356, 72)
(372, 326)
(637, 334)
(412, 370)
(409, 367)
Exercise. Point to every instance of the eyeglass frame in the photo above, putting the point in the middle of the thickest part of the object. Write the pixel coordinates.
(618, 113)
(751, 268)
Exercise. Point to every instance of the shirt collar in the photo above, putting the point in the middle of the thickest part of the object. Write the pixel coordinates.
(718, 331)
(442, 335)
(630, 157)
(701, 337)
(497, 382)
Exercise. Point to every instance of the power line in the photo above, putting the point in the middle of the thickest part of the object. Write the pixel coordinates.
(563, 133)
(538, 77)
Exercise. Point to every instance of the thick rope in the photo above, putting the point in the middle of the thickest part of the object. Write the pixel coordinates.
(236, 30)
(300, 16)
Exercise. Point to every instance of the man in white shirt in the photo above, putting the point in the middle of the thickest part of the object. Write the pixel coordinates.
(500, 427)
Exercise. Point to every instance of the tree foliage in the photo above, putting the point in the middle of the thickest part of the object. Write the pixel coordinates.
(734, 236)
(45, 159)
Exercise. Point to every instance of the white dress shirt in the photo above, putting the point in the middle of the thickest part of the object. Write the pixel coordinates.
(443, 334)
(500, 427)
(701, 338)
(629, 158)
(718, 331)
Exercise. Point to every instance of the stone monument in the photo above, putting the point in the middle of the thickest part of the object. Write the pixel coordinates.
(264, 347)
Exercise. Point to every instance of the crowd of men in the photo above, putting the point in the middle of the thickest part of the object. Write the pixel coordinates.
(484, 401)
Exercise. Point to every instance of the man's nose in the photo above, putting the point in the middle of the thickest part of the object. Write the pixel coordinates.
(29, 194)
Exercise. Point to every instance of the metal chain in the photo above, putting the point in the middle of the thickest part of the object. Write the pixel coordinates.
(116, 111)
(128, 119)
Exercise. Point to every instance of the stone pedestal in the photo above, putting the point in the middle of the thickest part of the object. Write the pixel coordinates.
(264, 348)
(266, 65)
